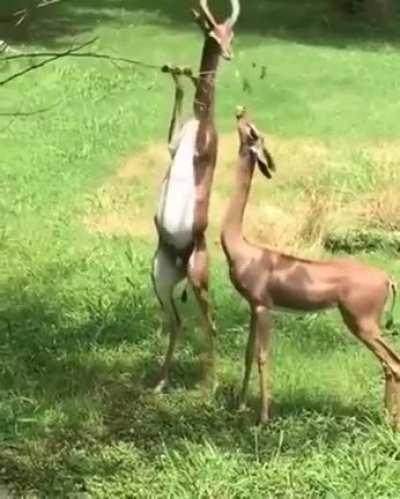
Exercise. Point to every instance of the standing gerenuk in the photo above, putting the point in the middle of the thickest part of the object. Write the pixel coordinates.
(182, 215)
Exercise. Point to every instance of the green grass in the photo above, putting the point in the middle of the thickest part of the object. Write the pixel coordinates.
(79, 344)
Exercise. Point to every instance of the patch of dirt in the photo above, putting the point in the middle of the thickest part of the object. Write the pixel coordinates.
(145, 163)
(385, 152)
(290, 212)
(125, 204)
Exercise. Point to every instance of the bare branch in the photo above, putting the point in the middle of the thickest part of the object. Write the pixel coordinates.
(75, 52)
(93, 55)
(7, 49)
(46, 3)
(19, 114)
(23, 14)
(52, 58)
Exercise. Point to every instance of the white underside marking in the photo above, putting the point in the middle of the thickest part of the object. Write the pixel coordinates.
(175, 212)
(284, 310)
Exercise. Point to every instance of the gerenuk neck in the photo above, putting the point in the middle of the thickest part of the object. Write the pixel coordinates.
(233, 221)
(205, 92)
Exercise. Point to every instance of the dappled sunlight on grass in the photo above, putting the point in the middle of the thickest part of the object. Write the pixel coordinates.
(316, 179)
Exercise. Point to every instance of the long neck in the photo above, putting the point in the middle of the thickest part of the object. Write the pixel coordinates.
(233, 221)
(205, 92)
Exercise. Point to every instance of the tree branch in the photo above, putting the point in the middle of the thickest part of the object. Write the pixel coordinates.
(54, 57)
(74, 52)
(23, 14)
(92, 55)
(19, 114)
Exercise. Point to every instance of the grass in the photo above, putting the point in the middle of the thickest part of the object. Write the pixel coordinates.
(78, 319)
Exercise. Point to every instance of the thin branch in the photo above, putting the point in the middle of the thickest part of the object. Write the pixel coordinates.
(6, 49)
(9, 124)
(40, 64)
(74, 52)
(23, 14)
(18, 114)
(92, 55)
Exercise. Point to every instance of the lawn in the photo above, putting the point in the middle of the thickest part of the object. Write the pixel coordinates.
(78, 319)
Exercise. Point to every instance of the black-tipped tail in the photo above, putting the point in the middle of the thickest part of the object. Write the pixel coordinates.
(390, 320)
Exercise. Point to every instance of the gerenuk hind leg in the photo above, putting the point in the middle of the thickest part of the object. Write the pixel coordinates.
(198, 277)
(368, 331)
(166, 275)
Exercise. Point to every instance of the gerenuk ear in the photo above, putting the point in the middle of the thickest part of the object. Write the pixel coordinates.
(265, 162)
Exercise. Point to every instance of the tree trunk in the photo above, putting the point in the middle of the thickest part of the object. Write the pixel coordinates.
(380, 11)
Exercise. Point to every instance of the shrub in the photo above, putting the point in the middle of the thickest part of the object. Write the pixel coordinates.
(357, 239)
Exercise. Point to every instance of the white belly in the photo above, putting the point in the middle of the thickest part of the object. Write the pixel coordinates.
(175, 212)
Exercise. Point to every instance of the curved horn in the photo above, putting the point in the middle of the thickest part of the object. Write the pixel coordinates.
(235, 13)
(207, 12)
